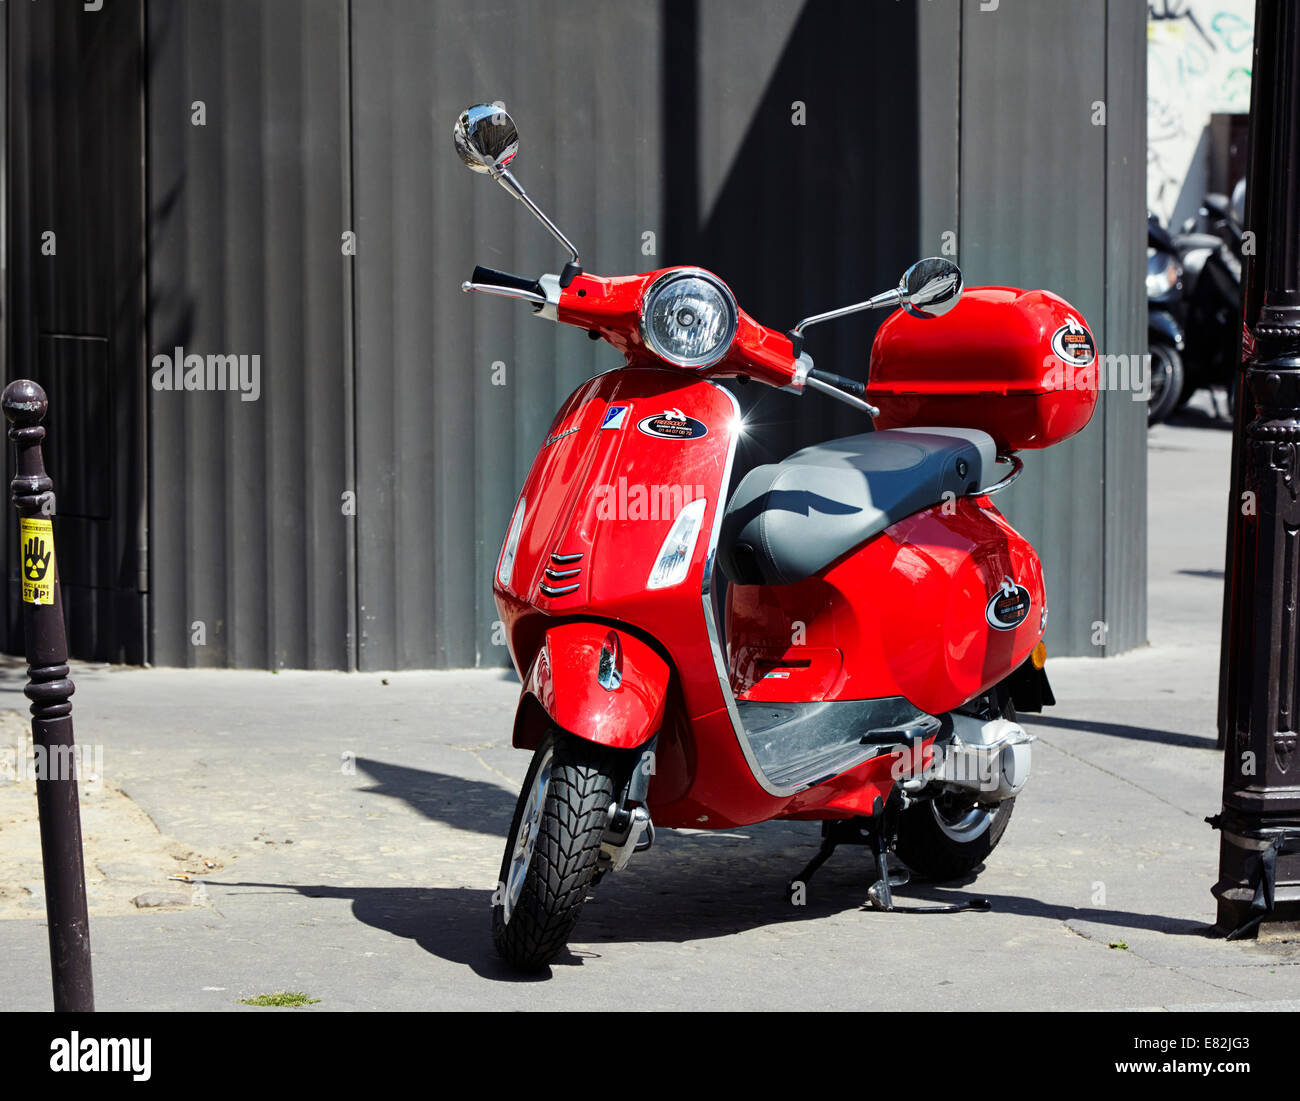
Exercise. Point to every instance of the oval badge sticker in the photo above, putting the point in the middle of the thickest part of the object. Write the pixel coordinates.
(1008, 608)
(672, 424)
(1072, 343)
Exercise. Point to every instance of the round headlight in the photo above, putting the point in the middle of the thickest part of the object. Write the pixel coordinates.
(689, 318)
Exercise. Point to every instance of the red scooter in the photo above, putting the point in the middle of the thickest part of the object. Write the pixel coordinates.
(882, 621)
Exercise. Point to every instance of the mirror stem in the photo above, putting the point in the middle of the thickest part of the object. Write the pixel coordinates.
(881, 301)
(507, 180)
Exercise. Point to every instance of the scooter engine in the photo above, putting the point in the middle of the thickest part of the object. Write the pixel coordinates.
(989, 758)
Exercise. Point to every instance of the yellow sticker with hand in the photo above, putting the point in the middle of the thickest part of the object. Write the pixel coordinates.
(37, 539)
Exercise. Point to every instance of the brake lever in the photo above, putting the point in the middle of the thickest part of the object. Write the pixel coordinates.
(538, 300)
(841, 388)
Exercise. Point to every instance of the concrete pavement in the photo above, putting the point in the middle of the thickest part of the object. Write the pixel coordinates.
(354, 829)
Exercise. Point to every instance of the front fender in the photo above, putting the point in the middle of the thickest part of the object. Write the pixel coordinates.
(561, 687)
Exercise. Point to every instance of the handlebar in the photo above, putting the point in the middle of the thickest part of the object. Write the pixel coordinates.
(611, 308)
(503, 283)
(491, 277)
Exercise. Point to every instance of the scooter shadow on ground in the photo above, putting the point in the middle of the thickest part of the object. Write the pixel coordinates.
(719, 883)
(691, 886)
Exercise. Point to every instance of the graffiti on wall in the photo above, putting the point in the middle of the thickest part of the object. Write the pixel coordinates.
(1198, 64)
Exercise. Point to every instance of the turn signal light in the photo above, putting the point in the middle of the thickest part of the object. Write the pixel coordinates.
(1039, 656)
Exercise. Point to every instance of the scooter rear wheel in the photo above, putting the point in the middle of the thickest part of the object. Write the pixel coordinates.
(944, 839)
(553, 849)
(1168, 381)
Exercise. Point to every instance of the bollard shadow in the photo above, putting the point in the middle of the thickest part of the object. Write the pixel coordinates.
(1123, 730)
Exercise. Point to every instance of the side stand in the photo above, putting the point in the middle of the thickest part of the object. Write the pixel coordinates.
(878, 831)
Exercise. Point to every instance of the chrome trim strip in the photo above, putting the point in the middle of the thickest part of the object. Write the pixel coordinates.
(802, 366)
(550, 285)
(546, 590)
(711, 622)
(733, 317)
(997, 487)
(560, 575)
(565, 559)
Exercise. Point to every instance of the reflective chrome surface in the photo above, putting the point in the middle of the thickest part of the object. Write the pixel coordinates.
(997, 487)
(728, 321)
(538, 300)
(711, 613)
(524, 842)
(930, 287)
(486, 138)
(487, 141)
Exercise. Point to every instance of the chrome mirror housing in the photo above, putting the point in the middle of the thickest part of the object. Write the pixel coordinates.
(487, 141)
(930, 287)
(486, 138)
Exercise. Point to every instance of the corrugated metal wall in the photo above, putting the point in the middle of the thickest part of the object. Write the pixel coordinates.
(802, 150)
(1038, 193)
(250, 547)
(1052, 197)
(74, 304)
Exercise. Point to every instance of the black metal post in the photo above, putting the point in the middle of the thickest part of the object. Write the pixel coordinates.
(49, 689)
(1259, 853)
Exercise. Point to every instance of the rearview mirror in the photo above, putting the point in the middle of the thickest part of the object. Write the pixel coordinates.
(486, 138)
(930, 287)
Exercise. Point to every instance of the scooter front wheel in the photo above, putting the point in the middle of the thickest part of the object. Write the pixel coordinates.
(553, 849)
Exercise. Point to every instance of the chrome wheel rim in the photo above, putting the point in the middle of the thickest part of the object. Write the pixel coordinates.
(524, 841)
(961, 824)
(1160, 376)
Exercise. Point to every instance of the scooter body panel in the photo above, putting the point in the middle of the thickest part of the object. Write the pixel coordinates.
(607, 484)
(560, 679)
(937, 608)
(605, 488)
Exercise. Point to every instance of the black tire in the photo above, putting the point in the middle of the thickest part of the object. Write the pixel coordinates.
(1168, 379)
(929, 849)
(531, 928)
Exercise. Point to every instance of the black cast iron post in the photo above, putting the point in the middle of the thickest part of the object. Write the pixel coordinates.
(1259, 852)
(49, 689)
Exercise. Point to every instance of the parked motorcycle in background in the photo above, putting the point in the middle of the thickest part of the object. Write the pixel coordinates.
(1194, 304)
(883, 622)
(1164, 322)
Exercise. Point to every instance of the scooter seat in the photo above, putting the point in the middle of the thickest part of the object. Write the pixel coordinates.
(789, 520)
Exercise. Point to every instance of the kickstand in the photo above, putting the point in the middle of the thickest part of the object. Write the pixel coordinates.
(883, 825)
(878, 832)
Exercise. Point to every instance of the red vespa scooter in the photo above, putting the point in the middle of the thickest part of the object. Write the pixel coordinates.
(883, 621)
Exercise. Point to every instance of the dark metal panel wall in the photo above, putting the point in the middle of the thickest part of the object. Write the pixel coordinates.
(1124, 512)
(676, 120)
(454, 394)
(1036, 175)
(75, 305)
(249, 538)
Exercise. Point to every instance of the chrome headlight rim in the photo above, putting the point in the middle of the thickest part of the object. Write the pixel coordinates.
(729, 300)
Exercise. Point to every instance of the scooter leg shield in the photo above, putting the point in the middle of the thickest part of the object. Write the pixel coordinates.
(595, 681)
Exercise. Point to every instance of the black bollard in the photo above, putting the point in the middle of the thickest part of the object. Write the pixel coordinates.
(48, 687)
(1259, 850)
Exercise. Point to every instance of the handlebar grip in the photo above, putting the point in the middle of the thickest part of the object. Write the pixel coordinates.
(504, 279)
(848, 385)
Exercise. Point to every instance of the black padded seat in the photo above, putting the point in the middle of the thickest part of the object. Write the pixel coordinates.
(789, 520)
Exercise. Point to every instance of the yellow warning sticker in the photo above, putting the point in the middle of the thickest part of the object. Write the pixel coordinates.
(37, 537)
